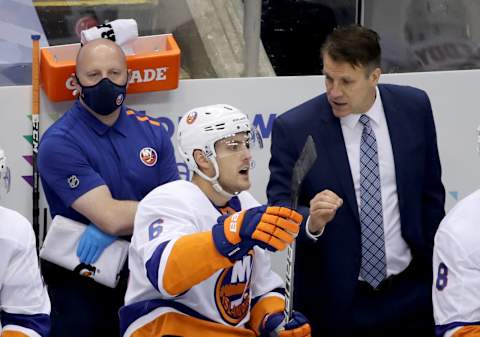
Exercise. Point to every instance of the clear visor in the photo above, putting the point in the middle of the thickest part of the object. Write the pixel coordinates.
(250, 141)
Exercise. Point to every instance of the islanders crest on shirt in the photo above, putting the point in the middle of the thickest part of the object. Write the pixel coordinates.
(232, 290)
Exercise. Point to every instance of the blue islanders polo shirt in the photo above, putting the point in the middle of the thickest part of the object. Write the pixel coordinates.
(79, 153)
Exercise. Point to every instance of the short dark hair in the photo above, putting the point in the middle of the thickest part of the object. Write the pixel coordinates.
(355, 45)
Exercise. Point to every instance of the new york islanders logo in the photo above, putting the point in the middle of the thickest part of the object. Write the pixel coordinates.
(119, 99)
(148, 156)
(232, 291)
(86, 270)
(191, 117)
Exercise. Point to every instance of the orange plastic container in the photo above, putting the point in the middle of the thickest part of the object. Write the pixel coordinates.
(155, 66)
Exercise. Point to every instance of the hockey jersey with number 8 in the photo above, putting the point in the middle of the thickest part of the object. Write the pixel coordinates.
(456, 267)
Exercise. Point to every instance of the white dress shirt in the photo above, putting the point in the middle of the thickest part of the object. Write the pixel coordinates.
(398, 254)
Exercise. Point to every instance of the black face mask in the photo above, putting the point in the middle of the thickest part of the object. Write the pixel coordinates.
(104, 97)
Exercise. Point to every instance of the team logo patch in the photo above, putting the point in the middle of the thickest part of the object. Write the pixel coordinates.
(73, 181)
(191, 117)
(119, 100)
(232, 291)
(86, 270)
(148, 156)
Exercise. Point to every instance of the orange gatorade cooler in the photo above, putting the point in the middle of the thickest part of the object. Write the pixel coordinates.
(155, 66)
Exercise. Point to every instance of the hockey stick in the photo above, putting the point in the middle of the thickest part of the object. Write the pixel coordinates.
(300, 169)
(35, 133)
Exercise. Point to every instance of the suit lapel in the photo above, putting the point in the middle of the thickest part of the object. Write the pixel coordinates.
(399, 137)
(336, 150)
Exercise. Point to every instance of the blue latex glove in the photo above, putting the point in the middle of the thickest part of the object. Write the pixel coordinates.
(92, 243)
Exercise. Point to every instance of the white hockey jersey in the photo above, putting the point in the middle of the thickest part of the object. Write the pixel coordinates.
(24, 302)
(456, 268)
(222, 300)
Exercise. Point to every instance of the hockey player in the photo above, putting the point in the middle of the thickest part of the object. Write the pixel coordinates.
(456, 270)
(24, 303)
(456, 267)
(198, 265)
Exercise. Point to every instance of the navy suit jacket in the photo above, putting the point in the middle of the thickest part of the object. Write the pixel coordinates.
(326, 271)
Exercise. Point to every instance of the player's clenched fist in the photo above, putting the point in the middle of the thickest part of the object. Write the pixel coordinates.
(323, 208)
(272, 228)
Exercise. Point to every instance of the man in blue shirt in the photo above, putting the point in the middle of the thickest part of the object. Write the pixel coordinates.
(96, 163)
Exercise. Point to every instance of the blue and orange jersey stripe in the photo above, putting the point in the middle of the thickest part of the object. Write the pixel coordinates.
(143, 118)
(172, 318)
(468, 331)
(12, 333)
(18, 325)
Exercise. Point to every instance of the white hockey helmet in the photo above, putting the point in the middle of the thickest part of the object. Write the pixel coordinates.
(201, 128)
(4, 174)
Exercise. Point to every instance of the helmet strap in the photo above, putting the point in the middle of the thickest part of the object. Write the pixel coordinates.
(214, 180)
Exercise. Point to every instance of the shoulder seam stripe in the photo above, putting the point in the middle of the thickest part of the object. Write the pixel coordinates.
(143, 118)
(156, 123)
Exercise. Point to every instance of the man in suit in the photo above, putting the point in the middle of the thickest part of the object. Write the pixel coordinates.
(374, 197)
